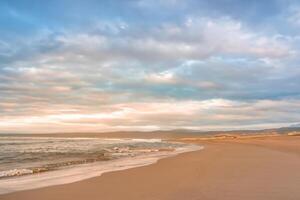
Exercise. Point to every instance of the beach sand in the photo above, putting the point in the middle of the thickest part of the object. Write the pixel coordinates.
(263, 168)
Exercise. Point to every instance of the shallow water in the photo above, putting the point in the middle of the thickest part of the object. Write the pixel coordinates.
(34, 162)
(29, 155)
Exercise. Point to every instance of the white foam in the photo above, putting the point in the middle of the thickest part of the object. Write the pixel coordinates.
(146, 140)
(74, 174)
(15, 172)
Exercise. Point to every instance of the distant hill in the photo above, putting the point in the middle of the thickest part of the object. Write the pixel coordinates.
(295, 125)
(177, 133)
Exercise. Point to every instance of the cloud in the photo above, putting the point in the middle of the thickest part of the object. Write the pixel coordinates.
(212, 114)
(198, 72)
(293, 15)
(195, 38)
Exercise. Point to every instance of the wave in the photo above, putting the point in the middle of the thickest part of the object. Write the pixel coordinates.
(15, 172)
(49, 167)
(89, 170)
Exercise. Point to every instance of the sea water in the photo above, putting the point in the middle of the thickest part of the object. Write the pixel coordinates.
(33, 162)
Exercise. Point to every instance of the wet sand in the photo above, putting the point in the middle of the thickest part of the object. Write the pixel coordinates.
(264, 168)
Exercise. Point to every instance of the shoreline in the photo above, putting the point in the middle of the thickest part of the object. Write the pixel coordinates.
(82, 172)
(263, 168)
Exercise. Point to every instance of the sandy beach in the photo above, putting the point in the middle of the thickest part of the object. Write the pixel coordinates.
(244, 168)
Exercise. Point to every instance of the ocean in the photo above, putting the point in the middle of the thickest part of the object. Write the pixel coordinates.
(32, 162)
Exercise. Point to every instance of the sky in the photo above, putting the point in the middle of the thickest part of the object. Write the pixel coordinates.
(97, 66)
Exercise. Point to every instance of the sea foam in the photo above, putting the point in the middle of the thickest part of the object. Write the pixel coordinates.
(115, 154)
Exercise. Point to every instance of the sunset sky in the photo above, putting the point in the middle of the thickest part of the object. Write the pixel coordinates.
(95, 65)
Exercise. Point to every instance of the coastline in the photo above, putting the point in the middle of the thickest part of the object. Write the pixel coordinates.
(242, 168)
(81, 172)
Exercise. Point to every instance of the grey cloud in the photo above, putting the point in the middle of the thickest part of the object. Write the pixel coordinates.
(202, 59)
